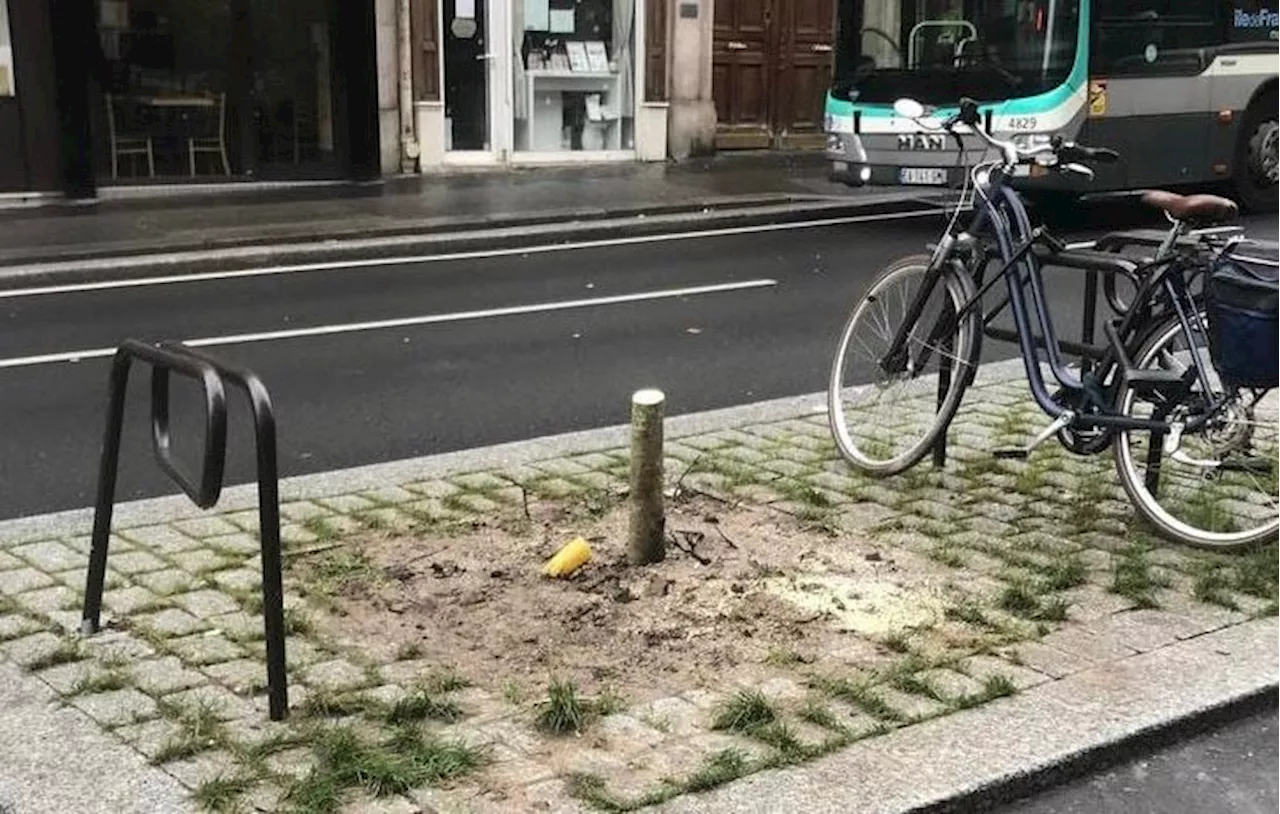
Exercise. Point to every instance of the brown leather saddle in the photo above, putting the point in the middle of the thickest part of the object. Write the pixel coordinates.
(1198, 208)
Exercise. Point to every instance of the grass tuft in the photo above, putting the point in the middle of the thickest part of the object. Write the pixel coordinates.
(422, 704)
(563, 710)
(745, 711)
(405, 761)
(718, 769)
(221, 794)
(1133, 578)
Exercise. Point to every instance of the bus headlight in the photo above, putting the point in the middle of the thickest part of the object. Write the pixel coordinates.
(835, 144)
(864, 174)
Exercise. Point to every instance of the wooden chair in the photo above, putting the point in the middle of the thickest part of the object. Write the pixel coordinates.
(215, 144)
(130, 144)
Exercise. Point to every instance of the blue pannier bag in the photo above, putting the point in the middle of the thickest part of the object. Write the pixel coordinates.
(1241, 301)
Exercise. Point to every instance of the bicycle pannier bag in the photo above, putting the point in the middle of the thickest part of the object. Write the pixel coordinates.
(1241, 301)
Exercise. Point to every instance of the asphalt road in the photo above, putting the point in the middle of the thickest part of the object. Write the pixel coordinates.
(466, 373)
(1231, 770)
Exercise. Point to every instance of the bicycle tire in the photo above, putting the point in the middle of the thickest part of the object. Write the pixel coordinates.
(1147, 504)
(958, 288)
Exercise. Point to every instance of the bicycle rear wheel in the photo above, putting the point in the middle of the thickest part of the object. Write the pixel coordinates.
(1219, 490)
(884, 423)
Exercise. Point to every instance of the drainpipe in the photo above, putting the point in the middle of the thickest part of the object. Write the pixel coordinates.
(408, 127)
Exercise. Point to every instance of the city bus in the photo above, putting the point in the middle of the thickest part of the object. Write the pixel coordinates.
(1184, 90)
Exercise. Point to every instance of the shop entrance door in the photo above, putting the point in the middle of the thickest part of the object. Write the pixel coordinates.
(471, 67)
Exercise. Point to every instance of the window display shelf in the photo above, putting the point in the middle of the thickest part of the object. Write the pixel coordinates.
(545, 103)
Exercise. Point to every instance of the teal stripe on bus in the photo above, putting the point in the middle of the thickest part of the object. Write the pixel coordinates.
(1039, 103)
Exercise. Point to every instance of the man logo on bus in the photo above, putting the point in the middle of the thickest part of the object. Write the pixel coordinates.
(920, 141)
(1263, 18)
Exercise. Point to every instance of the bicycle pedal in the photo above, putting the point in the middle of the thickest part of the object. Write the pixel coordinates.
(1022, 453)
(1017, 453)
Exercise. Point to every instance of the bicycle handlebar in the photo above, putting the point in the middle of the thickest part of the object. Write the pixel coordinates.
(1068, 155)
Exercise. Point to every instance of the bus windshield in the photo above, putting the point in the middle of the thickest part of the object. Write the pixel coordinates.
(936, 51)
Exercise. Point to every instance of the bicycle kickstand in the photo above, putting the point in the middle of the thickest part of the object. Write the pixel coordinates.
(1058, 423)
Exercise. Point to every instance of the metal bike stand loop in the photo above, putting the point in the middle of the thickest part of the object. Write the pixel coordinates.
(165, 358)
(1093, 258)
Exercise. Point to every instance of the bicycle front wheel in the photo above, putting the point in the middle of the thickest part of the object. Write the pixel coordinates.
(885, 422)
(1218, 489)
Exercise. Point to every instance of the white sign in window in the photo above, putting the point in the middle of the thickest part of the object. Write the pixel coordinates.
(7, 87)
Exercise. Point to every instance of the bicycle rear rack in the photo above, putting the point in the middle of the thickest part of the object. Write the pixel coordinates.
(213, 375)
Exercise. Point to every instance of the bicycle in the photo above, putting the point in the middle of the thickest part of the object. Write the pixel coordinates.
(1196, 455)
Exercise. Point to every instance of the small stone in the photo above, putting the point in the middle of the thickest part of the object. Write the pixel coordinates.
(166, 582)
(292, 762)
(912, 707)
(336, 675)
(206, 603)
(22, 580)
(202, 768)
(116, 707)
(1145, 630)
(169, 622)
(381, 805)
(983, 667)
(389, 495)
(199, 561)
(346, 504)
(239, 579)
(626, 734)
(165, 675)
(15, 626)
(206, 649)
(302, 511)
(66, 677)
(47, 600)
(243, 676)
(32, 649)
(205, 527)
(150, 737)
(238, 544)
(672, 715)
(951, 684)
(136, 562)
(221, 702)
(50, 556)
(163, 539)
(782, 689)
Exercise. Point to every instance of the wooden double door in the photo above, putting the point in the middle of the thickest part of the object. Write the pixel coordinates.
(771, 66)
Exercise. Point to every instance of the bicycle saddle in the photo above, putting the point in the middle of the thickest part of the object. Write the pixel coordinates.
(1203, 208)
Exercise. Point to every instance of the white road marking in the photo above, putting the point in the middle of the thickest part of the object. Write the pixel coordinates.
(70, 288)
(429, 319)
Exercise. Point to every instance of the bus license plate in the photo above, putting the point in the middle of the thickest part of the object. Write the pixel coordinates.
(926, 176)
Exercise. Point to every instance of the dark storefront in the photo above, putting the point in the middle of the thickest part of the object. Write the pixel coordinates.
(188, 91)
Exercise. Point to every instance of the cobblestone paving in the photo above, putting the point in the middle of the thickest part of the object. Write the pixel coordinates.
(1071, 579)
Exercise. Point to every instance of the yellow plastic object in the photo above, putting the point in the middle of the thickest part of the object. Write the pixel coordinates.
(568, 559)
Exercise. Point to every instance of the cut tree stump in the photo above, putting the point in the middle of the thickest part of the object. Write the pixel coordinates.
(647, 542)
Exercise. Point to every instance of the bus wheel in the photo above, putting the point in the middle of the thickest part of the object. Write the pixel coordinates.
(1258, 162)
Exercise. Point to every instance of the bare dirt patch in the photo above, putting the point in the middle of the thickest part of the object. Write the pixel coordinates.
(741, 588)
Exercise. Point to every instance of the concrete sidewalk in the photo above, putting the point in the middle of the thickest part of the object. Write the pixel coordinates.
(1073, 636)
(422, 206)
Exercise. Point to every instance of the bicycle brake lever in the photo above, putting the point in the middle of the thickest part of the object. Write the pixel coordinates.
(1078, 169)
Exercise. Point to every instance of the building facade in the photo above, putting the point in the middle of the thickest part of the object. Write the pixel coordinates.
(99, 93)
(134, 92)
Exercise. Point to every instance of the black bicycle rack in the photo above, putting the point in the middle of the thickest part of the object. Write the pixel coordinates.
(213, 375)
(1103, 258)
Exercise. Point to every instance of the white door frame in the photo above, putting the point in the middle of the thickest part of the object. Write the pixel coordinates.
(498, 89)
